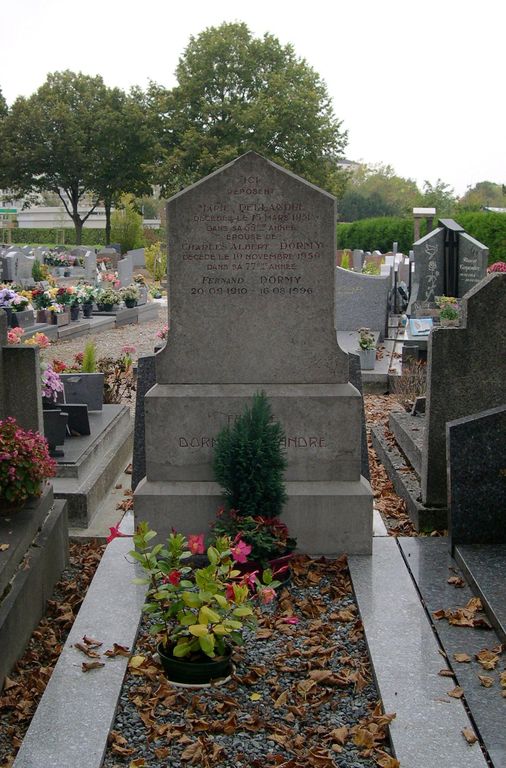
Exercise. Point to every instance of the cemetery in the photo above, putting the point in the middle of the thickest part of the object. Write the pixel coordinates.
(317, 437)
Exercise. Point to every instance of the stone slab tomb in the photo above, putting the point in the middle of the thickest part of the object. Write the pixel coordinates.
(251, 276)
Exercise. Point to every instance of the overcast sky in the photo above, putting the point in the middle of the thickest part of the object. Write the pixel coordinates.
(418, 85)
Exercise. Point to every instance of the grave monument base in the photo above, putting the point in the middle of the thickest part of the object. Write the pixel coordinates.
(326, 518)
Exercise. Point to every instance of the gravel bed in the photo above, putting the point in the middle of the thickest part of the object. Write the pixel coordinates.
(302, 693)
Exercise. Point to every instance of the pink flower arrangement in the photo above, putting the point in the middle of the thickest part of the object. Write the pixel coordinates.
(163, 333)
(240, 551)
(24, 462)
(51, 384)
(14, 335)
(498, 266)
(38, 340)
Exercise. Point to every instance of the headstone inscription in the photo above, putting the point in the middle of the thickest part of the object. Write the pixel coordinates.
(476, 453)
(473, 261)
(466, 373)
(251, 275)
(428, 279)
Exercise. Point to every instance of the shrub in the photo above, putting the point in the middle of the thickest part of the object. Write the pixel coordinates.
(42, 236)
(24, 462)
(89, 363)
(249, 462)
(156, 261)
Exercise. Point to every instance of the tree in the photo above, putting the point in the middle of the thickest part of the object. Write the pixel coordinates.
(439, 196)
(237, 93)
(484, 193)
(375, 190)
(127, 150)
(3, 106)
(79, 140)
(126, 225)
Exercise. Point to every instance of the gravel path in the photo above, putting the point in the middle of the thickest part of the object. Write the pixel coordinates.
(110, 343)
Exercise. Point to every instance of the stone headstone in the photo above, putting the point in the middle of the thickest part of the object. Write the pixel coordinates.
(473, 262)
(358, 260)
(138, 257)
(466, 374)
(361, 301)
(146, 378)
(10, 265)
(25, 266)
(111, 254)
(428, 278)
(476, 447)
(251, 264)
(125, 271)
(90, 265)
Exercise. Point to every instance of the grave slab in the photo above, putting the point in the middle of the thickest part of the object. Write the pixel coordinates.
(484, 566)
(406, 661)
(409, 434)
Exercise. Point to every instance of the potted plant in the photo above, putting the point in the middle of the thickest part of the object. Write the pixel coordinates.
(86, 296)
(107, 299)
(198, 613)
(367, 349)
(25, 466)
(449, 314)
(41, 300)
(253, 499)
(52, 385)
(130, 295)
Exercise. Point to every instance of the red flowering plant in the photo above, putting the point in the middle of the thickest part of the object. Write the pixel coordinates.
(266, 538)
(203, 611)
(24, 462)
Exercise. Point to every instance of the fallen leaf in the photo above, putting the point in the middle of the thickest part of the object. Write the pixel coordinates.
(486, 681)
(446, 673)
(117, 650)
(456, 581)
(469, 735)
(456, 692)
(4, 547)
(502, 679)
(339, 734)
(487, 659)
(91, 642)
(88, 665)
(384, 760)
(281, 700)
(439, 614)
(87, 651)
(462, 658)
(136, 662)
(256, 696)
(139, 762)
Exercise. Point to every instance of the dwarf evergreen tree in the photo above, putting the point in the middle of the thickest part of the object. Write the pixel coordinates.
(249, 462)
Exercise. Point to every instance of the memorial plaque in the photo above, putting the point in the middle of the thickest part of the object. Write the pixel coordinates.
(251, 269)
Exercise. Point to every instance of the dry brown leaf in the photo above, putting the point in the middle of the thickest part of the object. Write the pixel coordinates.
(456, 692)
(87, 651)
(469, 735)
(117, 650)
(486, 681)
(446, 673)
(384, 760)
(91, 642)
(281, 700)
(339, 734)
(462, 658)
(8, 684)
(502, 679)
(86, 666)
(439, 614)
(456, 581)
(363, 738)
(139, 762)
(4, 547)
(487, 659)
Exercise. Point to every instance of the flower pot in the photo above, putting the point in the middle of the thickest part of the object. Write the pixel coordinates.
(59, 318)
(87, 309)
(42, 316)
(200, 672)
(367, 359)
(107, 307)
(22, 319)
(8, 311)
(74, 312)
(130, 303)
(447, 323)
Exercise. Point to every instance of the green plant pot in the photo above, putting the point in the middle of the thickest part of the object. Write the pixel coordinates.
(130, 303)
(200, 672)
(107, 307)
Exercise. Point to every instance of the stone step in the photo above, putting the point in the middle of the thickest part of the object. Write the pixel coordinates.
(86, 483)
(431, 565)
(406, 482)
(409, 431)
(427, 729)
(484, 567)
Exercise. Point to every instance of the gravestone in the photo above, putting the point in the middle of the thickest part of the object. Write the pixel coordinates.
(138, 257)
(20, 389)
(251, 265)
(90, 265)
(146, 378)
(428, 278)
(473, 262)
(25, 266)
(358, 260)
(466, 374)
(125, 271)
(10, 265)
(476, 453)
(361, 301)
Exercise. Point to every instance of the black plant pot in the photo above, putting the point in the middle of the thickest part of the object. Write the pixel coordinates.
(87, 310)
(107, 307)
(199, 672)
(74, 312)
(130, 303)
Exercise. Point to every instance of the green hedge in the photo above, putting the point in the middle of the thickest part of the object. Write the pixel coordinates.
(95, 237)
(380, 234)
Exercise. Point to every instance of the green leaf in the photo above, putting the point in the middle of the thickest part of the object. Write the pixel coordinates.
(206, 616)
(140, 581)
(243, 610)
(191, 599)
(186, 619)
(221, 600)
(182, 649)
(213, 555)
(207, 644)
(221, 629)
(198, 630)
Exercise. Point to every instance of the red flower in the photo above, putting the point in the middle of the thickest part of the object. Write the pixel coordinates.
(267, 595)
(115, 533)
(174, 577)
(196, 544)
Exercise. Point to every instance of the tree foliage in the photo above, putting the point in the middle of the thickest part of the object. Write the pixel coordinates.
(237, 93)
(375, 190)
(126, 225)
(3, 105)
(484, 193)
(439, 196)
(249, 462)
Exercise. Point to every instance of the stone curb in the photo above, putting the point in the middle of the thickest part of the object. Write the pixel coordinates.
(72, 722)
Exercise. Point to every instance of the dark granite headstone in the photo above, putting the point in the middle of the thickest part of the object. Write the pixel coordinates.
(476, 452)
(146, 378)
(473, 261)
(356, 380)
(466, 374)
(428, 279)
